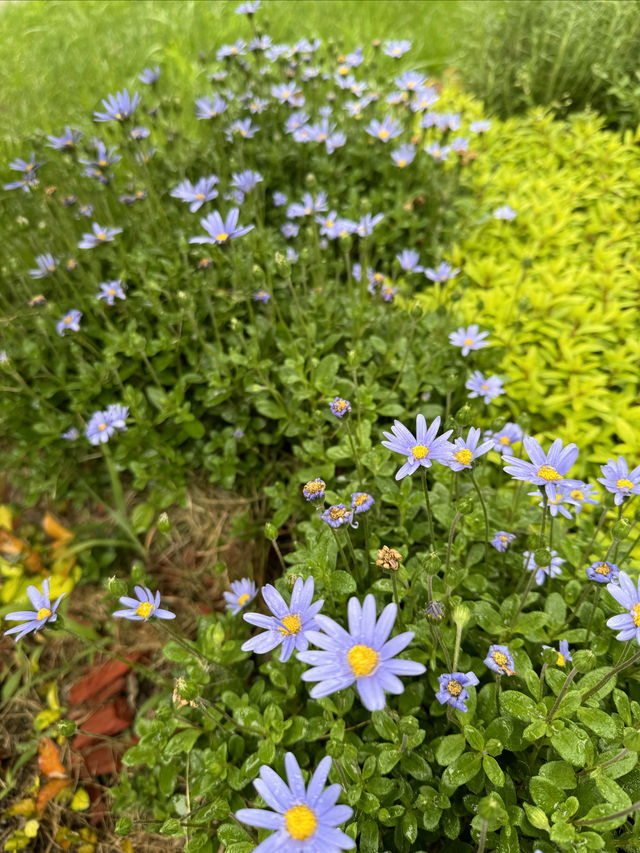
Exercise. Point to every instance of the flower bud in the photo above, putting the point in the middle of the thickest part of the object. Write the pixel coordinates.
(137, 572)
(310, 179)
(497, 424)
(431, 563)
(117, 587)
(271, 531)
(435, 610)
(465, 505)
(164, 523)
(282, 265)
(584, 660)
(620, 529)
(464, 415)
(461, 615)
(67, 728)
(542, 556)
(346, 241)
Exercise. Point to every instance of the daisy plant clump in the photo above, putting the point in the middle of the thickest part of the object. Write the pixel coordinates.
(396, 665)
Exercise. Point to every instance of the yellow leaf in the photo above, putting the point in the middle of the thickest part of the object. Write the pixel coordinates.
(80, 800)
(31, 828)
(25, 808)
(6, 518)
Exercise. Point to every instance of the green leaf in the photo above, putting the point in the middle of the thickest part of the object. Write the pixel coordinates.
(612, 792)
(536, 817)
(385, 726)
(518, 705)
(368, 842)
(493, 771)
(569, 703)
(388, 758)
(269, 408)
(571, 746)
(449, 749)
(599, 722)
(342, 583)
(182, 742)
(545, 794)
(142, 517)
(461, 771)
(416, 766)
(410, 826)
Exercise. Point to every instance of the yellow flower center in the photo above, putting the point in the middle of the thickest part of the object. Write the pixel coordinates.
(361, 499)
(464, 456)
(29, 167)
(119, 116)
(222, 237)
(145, 609)
(43, 613)
(68, 320)
(602, 569)
(102, 427)
(291, 624)
(635, 612)
(307, 210)
(402, 163)
(468, 342)
(112, 291)
(340, 405)
(102, 162)
(503, 539)
(242, 599)
(363, 660)
(549, 473)
(454, 687)
(344, 69)
(200, 196)
(383, 134)
(577, 495)
(484, 387)
(560, 659)
(102, 236)
(51, 267)
(624, 484)
(504, 440)
(396, 51)
(301, 822)
(336, 512)
(329, 223)
(315, 486)
(501, 659)
(420, 451)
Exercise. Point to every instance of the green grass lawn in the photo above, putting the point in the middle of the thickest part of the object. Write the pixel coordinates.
(58, 59)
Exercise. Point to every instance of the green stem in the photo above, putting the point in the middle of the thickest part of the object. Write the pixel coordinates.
(593, 610)
(354, 452)
(587, 550)
(452, 529)
(456, 650)
(486, 517)
(428, 505)
(630, 810)
(561, 695)
(396, 597)
(544, 519)
(614, 671)
(525, 595)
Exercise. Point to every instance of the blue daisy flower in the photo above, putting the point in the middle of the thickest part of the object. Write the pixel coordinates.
(628, 596)
(361, 655)
(501, 540)
(499, 660)
(509, 434)
(305, 818)
(37, 618)
(552, 570)
(545, 469)
(242, 592)
(603, 572)
(468, 339)
(290, 624)
(564, 654)
(462, 452)
(619, 480)
(143, 608)
(118, 107)
(452, 689)
(420, 450)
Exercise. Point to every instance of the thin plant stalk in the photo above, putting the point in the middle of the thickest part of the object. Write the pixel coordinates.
(428, 505)
(486, 516)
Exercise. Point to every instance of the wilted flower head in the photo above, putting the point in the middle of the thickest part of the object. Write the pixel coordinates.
(361, 502)
(314, 489)
(499, 660)
(118, 107)
(388, 558)
(452, 689)
(37, 618)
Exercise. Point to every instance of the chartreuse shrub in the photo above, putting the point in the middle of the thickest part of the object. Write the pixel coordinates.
(557, 283)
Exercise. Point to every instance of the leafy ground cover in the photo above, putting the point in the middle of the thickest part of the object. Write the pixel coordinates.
(425, 609)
